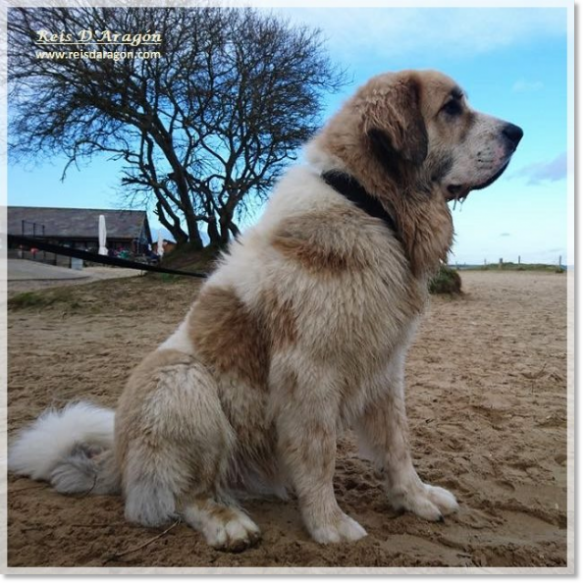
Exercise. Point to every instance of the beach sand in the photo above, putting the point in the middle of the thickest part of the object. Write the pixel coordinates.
(487, 404)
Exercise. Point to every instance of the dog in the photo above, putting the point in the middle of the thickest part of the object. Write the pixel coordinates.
(302, 330)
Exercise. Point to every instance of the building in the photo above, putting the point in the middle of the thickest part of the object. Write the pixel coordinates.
(127, 230)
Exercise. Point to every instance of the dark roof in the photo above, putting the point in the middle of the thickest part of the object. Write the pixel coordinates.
(77, 223)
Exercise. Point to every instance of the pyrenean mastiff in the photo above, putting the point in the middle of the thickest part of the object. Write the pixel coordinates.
(302, 331)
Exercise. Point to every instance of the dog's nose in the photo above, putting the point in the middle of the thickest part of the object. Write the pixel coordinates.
(513, 133)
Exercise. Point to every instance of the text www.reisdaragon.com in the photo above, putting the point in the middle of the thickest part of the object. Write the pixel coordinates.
(98, 55)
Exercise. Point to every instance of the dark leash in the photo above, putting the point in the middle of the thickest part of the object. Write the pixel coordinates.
(97, 258)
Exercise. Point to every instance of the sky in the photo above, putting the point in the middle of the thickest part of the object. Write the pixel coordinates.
(512, 63)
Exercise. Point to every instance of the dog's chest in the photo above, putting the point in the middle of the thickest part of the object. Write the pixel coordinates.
(358, 321)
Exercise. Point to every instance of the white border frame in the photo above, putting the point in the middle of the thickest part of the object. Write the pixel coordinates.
(569, 570)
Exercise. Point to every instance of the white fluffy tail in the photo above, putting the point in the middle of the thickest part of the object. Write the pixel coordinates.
(56, 435)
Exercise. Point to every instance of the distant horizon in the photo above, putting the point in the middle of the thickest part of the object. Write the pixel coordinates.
(169, 237)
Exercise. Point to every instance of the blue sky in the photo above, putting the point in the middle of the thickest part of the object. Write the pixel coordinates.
(511, 61)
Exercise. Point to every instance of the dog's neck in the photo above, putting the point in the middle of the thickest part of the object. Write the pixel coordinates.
(354, 191)
(423, 219)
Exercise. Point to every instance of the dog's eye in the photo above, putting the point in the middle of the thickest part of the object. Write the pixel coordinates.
(452, 108)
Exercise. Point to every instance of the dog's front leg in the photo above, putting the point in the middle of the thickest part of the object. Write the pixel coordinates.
(307, 445)
(383, 433)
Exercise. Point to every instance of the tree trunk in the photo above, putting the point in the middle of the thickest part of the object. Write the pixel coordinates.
(194, 236)
(213, 233)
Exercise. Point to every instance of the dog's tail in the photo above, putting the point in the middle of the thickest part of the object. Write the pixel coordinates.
(71, 448)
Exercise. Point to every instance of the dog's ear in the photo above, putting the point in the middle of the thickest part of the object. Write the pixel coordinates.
(393, 122)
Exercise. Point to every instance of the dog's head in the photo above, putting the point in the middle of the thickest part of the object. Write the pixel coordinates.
(421, 121)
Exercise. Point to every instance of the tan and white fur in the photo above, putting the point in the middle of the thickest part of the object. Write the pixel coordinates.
(301, 332)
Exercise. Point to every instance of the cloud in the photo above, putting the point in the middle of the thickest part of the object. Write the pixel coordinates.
(358, 34)
(505, 234)
(522, 86)
(536, 173)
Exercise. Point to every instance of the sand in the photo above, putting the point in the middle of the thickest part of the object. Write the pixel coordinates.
(486, 396)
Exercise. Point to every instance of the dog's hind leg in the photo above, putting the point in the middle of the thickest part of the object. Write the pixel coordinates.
(176, 448)
(172, 437)
(223, 524)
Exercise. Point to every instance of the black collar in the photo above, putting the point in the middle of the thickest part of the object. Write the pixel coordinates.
(354, 191)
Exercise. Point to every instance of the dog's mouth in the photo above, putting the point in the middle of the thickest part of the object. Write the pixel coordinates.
(460, 192)
(492, 179)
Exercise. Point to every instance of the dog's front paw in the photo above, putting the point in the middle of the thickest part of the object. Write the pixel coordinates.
(427, 501)
(343, 529)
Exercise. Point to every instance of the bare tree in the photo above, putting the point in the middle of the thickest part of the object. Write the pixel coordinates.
(203, 128)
